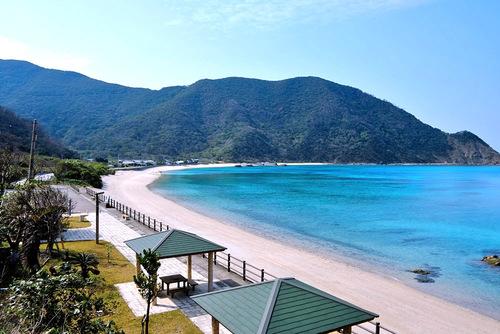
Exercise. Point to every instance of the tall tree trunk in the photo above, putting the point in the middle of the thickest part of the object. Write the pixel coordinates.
(147, 317)
(30, 253)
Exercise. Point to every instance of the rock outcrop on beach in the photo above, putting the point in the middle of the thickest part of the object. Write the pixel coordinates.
(493, 260)
(233, 119)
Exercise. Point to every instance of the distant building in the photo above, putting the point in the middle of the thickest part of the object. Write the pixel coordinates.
(136, 163)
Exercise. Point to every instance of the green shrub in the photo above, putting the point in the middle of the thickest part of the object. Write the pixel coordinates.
(81, 172)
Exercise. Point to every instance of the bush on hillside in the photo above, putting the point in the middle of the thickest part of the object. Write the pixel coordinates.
(81, 172)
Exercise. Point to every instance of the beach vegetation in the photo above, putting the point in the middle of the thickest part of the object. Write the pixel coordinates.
(81, 172)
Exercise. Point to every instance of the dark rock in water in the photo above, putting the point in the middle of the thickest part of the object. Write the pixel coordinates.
(492, 260)
(420, 271)
(426, 274)
(424, 279)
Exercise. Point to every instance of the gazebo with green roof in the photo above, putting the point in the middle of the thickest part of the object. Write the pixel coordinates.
(177, 243)
(284, 305)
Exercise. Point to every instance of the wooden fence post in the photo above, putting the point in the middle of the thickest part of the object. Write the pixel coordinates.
(228, 263)
(377, 328)
(154, 224)
(262, 275)
(244, 270)
(149, 221)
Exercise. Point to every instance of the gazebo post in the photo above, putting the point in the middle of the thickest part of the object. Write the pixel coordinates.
(210, 270)
(347, 330)
(215, 326)
(137, 264)
(190, 267)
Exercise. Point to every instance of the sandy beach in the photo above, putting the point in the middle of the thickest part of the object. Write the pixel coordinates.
(401, 308)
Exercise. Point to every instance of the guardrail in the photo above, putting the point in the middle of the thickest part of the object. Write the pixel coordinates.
(242, 268)
(371, 327)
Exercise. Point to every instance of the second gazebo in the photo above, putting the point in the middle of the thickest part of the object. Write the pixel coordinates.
(177, 243)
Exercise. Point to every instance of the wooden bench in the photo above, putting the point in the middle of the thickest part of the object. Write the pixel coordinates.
(192, 283)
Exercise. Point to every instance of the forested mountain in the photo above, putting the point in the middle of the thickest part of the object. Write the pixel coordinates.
(15, 134)
(234, 119)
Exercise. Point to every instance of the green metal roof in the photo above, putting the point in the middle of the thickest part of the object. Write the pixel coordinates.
(173, 243)
(284, 305)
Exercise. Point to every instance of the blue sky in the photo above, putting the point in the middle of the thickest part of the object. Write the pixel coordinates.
(439, 60)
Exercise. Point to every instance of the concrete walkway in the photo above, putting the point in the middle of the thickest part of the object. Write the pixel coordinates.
(116, 232)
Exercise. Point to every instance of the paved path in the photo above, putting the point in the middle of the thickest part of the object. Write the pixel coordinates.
(117, 232)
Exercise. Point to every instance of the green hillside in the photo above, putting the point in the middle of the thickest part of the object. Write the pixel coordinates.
(234, 119)
(15, 134)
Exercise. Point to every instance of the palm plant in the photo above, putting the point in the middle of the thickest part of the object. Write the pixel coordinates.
(86, 261)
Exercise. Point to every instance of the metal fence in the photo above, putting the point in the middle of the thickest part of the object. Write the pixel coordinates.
(129, 213)
(242, 268)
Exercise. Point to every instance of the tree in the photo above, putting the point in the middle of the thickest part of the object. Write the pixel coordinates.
(51, 205)
(27, 216)
(10, 168)
(147, 284)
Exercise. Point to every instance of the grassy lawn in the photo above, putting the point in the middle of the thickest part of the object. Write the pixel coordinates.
(74, 222)
(120, 270)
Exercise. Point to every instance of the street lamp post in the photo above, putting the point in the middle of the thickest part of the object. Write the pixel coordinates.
(97, 216)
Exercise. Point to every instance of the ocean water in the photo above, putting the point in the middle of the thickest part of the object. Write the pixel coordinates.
(386, 218)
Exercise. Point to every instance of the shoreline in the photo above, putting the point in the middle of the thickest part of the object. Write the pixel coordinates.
(402, 308)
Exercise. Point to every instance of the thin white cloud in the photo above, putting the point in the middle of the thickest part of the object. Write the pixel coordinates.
(269, 13)
(13, 49)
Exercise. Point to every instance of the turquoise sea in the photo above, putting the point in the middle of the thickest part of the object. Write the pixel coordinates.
(386, 218)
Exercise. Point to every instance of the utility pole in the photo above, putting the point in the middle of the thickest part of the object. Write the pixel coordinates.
(97, 216)
(32, 152)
